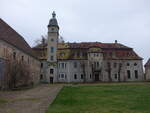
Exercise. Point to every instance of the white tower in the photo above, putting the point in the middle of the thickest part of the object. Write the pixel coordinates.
(53, 34)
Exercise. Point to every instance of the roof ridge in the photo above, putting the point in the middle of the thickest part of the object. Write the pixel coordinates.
(12, 37)
(15, 32)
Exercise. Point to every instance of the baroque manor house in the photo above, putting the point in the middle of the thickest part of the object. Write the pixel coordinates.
(86, 61)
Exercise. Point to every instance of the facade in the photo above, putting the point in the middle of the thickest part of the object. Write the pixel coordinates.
(86, 61)
(14, 48)
(147, 70)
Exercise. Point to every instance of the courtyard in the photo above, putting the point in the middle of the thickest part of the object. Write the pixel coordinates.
(35, 100)
(78, 98)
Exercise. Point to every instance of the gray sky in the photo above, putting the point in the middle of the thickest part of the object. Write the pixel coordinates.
(127, 21)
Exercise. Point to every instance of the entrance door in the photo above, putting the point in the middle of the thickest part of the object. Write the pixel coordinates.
(96, 77)
(51, 80)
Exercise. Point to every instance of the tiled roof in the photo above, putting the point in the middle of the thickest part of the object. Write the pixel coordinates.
(10, 36)
(97, 44)
(148, 63)
(121, 51)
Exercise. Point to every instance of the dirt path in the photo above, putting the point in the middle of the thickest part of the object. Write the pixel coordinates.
(35, 100)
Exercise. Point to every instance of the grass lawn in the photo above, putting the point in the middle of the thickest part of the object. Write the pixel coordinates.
(109, 98)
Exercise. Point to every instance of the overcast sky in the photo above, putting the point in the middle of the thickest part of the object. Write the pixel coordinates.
(127, 21)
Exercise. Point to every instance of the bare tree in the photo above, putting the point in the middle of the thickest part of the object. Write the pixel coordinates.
(61, 39)
(18, 74)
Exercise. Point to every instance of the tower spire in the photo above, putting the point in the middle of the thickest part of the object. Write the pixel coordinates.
(53, 14)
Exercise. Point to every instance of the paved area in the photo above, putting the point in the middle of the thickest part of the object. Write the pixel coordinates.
(34, 100)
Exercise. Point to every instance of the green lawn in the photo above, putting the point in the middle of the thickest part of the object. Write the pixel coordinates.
(111, 98)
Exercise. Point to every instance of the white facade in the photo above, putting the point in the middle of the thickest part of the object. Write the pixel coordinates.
(94, 68)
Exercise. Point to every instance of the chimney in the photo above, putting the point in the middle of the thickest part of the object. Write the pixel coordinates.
(116, 41)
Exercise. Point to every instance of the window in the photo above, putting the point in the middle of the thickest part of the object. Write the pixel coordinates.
(41, 65)
(28, 60)
(110, 54)
(97, 64)
(51, 71)
(22, 58)
(65, 76)
(41, 77)
(128, 74)
(109, 64)
(81, 76)
(62, 54)
(52, 29)
(14, 55)
(75, 76)
(59, 65)
(62, 75)
(135, 64)
(128, 64)
(78, 54)
(115, 65)
(62, 65)
(136, 74)
(52, 49)
(65, 65)
(52, 58)
(94, 64)
(116, 76)
(52, 40)
(90, 76)
(97, 54)
(75, 64)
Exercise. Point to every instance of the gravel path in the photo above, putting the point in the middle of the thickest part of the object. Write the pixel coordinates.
(35, 100)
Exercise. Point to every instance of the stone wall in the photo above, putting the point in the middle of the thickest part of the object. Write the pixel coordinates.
(7, 51)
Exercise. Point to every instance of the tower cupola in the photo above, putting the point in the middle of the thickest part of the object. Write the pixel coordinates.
(53, 21)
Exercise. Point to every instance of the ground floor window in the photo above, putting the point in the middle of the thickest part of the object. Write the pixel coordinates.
(75, 76)
(62, 75)
(136, 74)
(90, 76)
(128, 74)
(116, 76)
(81, 76)
(41, 77)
